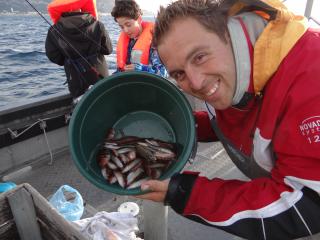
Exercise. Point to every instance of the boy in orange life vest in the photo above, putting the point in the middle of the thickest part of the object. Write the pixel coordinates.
(134, 50)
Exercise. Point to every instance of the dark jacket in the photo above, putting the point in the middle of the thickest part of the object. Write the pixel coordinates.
(79, 42)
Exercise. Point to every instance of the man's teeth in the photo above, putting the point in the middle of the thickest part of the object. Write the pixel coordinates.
(213, 89)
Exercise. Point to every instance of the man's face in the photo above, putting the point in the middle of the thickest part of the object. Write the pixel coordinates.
(202, 64)
(130, 26)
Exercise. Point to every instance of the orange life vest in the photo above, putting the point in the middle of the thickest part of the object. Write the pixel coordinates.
(57, 7)
(142, 45)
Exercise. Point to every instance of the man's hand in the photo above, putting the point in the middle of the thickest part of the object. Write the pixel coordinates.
(129, 67)
(158, 190)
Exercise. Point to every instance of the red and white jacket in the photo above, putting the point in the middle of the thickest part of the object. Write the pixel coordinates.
(281, 131)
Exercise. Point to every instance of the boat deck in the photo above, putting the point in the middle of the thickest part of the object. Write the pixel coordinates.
(211, 160)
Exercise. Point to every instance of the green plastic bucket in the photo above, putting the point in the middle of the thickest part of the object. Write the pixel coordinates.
(139, 104)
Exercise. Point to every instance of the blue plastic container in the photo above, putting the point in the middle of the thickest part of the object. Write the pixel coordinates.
(6, 186)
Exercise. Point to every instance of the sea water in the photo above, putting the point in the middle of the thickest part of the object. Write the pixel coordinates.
(25, 71)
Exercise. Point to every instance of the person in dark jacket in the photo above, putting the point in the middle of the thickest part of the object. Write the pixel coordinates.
(79, 42)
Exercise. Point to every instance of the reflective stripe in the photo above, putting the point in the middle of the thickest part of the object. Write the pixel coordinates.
(287, 200)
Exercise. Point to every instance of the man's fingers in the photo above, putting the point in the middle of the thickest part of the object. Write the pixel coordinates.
(153, 196)
(155, 185)
(155, 190)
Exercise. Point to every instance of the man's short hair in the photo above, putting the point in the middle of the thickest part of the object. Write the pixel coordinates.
(211, 14)
(126, 8)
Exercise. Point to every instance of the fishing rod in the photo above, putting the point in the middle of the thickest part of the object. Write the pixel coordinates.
(64, 39)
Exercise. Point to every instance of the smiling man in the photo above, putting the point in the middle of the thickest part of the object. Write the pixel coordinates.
(203, 67)
(256, 65)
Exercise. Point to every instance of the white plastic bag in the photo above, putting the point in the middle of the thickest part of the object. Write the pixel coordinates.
(109, 226)
(68, 202)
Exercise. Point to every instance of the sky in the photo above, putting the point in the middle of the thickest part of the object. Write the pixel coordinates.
(152, 5)
(297, 6)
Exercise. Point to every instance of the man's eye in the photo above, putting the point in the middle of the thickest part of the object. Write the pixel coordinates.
(199, 58)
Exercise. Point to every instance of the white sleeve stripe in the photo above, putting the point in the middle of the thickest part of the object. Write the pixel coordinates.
(287, 200)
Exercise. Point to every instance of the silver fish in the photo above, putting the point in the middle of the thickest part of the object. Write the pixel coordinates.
(157, 165)
(152, 142)
(146, 153)
(138, 183)
(131, 155)
(132, 165)
(111, 146)
(104, 173)
(112, 179)
(112, 166)
(124, 158)
(125, 150)
(117, 161)
(133, 175)
(142, 144)
(120, 178)
(164, 156)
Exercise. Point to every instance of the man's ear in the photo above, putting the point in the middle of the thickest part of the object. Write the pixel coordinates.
(139, 19)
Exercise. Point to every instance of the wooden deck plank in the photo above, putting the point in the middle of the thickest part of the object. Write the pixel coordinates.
(24, 214)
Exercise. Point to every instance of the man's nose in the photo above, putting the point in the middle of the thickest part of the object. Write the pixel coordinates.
(195, 78)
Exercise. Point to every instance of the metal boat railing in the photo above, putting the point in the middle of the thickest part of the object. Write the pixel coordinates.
(26, 131)
(308, 11)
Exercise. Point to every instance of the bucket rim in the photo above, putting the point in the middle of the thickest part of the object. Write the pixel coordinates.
(190, 148)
